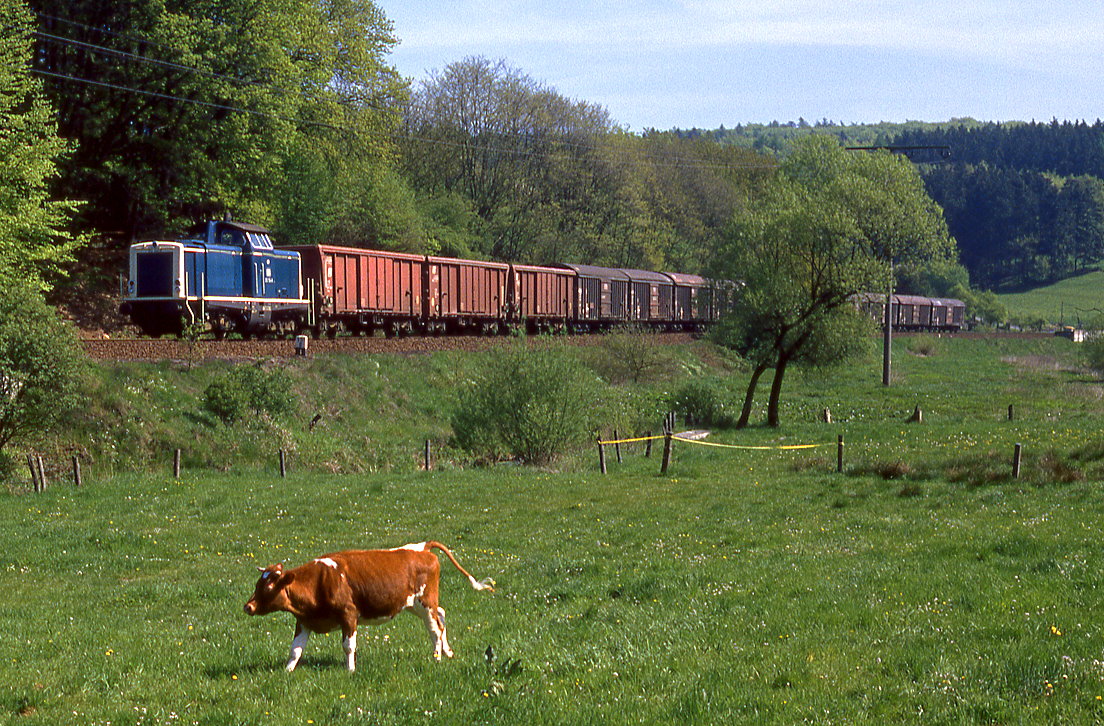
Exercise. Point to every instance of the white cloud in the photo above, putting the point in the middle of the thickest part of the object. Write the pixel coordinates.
(1004, 30)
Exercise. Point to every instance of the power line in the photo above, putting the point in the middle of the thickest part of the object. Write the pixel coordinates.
(677, 162)
(182, 99)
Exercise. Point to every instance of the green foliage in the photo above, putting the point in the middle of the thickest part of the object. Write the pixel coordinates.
(1092, 354)
(702, 403)
(510, 169)
(41, 364)
(833, 224)
(534, 403)
(244, 106)
(633, 354)
(247, 389)
(33, 242)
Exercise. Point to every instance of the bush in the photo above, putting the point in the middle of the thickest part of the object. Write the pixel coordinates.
(631, 354)
(533, 403)
(702, 404)
(41, 363)
(1092, 354)
(249, 389)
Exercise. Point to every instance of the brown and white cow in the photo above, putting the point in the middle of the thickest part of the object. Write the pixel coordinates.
(342, 589)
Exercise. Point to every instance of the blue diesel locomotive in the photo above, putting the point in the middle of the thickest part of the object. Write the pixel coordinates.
(228, 277)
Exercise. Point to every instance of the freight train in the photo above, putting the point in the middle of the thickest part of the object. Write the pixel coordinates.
(229, 278)
(911, 313)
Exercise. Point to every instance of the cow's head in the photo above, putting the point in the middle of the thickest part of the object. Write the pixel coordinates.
(270, 593)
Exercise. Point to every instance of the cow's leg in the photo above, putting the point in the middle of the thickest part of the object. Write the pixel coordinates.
(444, 634)
(348, 638)
(433, 625)
(297, 645)
(348, 642)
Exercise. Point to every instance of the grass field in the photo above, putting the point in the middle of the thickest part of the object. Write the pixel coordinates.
(1073, 301)
(923, 585)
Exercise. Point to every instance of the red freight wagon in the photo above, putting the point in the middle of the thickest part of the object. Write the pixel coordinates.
(365, 290)
(466, 293)
(692, 303)
(540, 296)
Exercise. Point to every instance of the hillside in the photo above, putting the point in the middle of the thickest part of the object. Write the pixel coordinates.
(1074, 301)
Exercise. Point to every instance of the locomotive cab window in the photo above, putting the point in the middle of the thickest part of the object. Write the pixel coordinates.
(231, 237)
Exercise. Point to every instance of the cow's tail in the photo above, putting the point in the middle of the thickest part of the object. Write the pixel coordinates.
(485, 584)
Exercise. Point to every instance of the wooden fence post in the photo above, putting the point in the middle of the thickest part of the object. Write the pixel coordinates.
(176, 464)
(1016, 456)
(34, 472)
(617, 446)
(648, 445)
(76, 471)
(1011, 413)
(41, 474)
(601, 455)
(839, 454)
(428, 455)
(668, 438)
(283, 464)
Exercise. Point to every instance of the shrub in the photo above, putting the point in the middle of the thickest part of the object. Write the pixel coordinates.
(1092, 354)
(632, 354)
(41, 363)
(533, 403)
(702, 404)
(249, 389)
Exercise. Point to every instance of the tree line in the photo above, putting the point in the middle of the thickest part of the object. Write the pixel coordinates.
(1025, 201)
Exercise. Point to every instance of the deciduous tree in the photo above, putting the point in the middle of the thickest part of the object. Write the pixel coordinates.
(33, 242)
(832, 224)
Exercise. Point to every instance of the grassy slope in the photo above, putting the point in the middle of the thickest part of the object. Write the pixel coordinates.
(1075, 299)
(745, 587)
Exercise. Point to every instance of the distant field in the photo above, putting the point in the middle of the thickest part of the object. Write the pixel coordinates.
(922, 585)
(1074, 300)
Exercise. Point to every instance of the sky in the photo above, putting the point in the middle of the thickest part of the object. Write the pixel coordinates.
(707, 63)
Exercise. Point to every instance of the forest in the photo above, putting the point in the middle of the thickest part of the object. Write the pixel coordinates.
(1025, 201)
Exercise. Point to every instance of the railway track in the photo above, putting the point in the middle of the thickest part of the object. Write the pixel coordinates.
(126, 349)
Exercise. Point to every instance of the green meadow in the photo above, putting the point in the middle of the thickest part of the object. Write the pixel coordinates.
(1073, 301)
(923, 584)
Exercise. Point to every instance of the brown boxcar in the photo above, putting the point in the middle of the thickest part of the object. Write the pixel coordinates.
(948, 314)
(364, 289)
(915, 312)
(652, 299)
(541, 297)
(601, 296)
(466, 294)
(691, 301)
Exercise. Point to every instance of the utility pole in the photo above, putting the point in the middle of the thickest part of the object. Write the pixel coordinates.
(887, 334)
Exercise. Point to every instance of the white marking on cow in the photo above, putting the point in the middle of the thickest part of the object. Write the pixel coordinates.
(327, 562)
(297, 645)
(349, 644)
(413, 599)
(419, 547)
